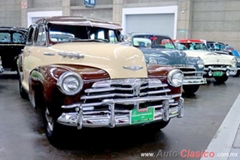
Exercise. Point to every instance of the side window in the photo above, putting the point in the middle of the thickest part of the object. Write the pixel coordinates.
(40, 36)
(112, 36)
(98, 34)
(101, 35)
(18, 38)
(30, 36)
(5, 37)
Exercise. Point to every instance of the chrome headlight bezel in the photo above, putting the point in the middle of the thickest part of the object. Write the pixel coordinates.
(172, 74)
(76, 77)
(200, 63)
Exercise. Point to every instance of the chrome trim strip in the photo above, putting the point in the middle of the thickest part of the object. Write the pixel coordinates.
(49, 54)
(217, 68)
(192, 72)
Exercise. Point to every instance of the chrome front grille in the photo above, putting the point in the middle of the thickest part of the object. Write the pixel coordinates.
(95, 97)
(188, 71)
(217, 66)
(125, 88)
(110, 103)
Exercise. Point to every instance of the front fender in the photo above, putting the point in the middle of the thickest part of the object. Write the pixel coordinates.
(43, 80)
(193, 61)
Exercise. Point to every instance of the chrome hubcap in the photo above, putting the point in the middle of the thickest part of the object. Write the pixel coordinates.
(50, 121)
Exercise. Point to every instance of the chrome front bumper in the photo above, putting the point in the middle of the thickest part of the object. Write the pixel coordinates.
(228, 70)
(84, 117)
(194, 80)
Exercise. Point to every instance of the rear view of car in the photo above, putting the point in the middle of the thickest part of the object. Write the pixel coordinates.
(12, 40)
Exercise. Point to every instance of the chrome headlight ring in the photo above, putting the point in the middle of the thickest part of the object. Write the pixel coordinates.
(70, 83)
(175, 78)
(200, 63)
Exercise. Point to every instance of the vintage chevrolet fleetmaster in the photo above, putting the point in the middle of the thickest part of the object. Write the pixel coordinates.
(74, 69)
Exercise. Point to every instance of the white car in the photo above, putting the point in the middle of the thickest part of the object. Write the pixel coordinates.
(216, 65)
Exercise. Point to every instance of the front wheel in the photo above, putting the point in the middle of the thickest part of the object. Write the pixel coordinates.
(22, 91)
(52, 128)
(157, 126)
(238, 73)
(221, 79)
(190, 89)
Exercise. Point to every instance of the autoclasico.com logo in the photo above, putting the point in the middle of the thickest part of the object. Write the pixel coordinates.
(188, 154)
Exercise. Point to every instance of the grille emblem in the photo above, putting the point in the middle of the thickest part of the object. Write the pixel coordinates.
(134, 68)
(217, 60)
(136, 89)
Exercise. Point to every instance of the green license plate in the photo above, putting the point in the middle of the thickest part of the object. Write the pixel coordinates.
(141, 115)
(217, 74)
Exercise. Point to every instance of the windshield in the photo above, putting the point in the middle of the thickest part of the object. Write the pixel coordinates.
(192, 46)
(68, 33)
(152, 41)
(216, 46)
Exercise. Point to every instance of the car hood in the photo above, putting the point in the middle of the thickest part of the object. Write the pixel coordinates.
(118, 60)
(211, 58)
(165, 56)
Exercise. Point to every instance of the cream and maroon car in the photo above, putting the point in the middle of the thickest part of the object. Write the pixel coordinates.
(73, 69)
(217, 66)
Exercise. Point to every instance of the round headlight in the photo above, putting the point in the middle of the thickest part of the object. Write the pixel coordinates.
(175, 78)
(200, 63)
(70, 83)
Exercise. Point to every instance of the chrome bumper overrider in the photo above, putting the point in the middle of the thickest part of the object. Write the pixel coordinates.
(1, 69)
(86, 116)
(229, 70)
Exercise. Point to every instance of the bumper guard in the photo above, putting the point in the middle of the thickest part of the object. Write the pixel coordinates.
(84, 117)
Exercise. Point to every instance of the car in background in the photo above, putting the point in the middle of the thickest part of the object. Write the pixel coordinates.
(222, 48)
(73, 68)
(218, 66)
(12, 41)
(160, 49)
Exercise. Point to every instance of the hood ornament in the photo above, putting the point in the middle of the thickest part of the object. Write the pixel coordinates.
(134, 68)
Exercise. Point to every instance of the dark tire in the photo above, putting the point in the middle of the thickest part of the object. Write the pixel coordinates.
(221, 79)
(190, 89)
(22, 91)
(157, 126)
(53, 129)
(238, 73)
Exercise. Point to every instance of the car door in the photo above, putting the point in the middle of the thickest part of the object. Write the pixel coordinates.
(33, 52)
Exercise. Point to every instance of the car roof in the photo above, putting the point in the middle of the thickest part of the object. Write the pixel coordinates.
(8, 28)
(146, 33)
(215, 42)
(80, 21)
